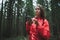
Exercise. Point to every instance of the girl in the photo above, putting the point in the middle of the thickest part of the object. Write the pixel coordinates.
(38, 28)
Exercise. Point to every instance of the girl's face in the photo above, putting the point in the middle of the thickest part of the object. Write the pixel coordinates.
(37, 11)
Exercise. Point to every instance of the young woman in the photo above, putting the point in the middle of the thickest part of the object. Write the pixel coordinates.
(38, 28)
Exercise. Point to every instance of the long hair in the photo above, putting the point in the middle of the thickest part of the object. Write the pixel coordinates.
(41, 12)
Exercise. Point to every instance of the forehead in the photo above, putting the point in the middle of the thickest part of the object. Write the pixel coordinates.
(37, 7)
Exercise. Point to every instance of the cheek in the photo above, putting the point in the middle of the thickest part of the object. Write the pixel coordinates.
(39, 11)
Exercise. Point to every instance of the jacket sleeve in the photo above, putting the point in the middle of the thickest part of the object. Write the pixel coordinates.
(46, 30)
(27, 28)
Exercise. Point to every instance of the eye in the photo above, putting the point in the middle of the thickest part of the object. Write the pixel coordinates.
(37, 8)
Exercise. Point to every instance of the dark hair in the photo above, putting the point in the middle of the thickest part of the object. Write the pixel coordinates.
(42, 11)
(28, 18)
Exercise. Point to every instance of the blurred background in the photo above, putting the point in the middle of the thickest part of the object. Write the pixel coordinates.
(13, 15)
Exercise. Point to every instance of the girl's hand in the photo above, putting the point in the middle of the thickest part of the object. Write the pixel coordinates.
(35, 21)
(29, 22)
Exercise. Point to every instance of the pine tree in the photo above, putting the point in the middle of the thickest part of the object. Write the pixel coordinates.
(55, 17)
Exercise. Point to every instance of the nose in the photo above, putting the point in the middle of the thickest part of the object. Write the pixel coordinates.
(37, 10)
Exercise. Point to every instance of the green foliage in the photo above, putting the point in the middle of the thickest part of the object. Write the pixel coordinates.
(29, 8)
(55, 18)
(40, 2)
